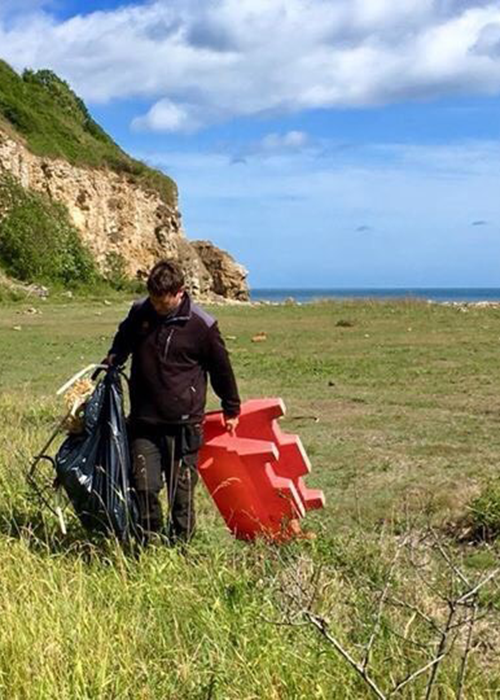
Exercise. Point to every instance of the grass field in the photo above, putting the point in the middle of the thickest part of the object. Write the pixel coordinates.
(398, 408)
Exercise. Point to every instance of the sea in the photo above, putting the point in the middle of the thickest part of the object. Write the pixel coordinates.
(437, 294)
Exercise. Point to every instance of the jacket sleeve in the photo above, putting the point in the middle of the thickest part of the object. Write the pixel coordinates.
(221, 372)
(122, 344)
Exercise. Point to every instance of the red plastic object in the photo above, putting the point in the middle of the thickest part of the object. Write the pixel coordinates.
(256, 475)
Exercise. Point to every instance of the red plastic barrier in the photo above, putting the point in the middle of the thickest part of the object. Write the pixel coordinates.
(256, 475)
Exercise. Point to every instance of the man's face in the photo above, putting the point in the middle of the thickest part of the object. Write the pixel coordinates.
(164, 304)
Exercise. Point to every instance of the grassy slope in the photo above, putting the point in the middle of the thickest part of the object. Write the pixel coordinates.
(55, 123)
(407, 407)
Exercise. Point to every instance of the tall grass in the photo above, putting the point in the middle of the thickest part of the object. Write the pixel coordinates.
(82, 618)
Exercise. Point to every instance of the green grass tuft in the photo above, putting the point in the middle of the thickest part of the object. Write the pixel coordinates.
(485, 510)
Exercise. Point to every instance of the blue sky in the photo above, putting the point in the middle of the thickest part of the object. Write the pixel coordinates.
(321, 142)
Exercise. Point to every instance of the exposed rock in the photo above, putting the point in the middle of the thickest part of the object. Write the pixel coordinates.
(35, 290)
(228, 278)
(118, 217)
(198, 278)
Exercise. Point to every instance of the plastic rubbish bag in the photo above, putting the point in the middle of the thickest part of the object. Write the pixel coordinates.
(94, 466)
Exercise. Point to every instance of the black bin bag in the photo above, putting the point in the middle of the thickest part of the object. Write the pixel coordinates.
(94, 466)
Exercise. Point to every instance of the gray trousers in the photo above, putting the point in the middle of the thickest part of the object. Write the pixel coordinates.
(160, 459)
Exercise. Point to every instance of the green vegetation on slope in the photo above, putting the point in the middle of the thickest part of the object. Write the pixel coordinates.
(55, 123)
(37, 240)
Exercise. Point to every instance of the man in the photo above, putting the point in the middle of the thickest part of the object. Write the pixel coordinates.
(174, 346)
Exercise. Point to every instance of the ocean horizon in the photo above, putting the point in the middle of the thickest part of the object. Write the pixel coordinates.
(437, 294)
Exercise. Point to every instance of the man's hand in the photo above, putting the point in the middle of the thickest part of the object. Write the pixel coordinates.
(231, 423)
(109, 360)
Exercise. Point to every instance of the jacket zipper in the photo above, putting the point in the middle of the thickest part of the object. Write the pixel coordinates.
(167, 343)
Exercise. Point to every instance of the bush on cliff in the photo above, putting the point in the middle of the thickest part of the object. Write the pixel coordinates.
(37, 240)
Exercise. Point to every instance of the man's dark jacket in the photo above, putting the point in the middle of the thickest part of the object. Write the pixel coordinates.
(171, 358)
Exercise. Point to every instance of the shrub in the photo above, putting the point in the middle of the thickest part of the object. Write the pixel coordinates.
(485, 511)
(37, 240)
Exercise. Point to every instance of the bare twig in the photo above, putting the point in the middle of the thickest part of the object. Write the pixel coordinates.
(472, 592)
(441, 549)
(453, 613)
(468, 645)
(412, 676)
(284, 623)
(418, 568)
(417, 611)
(441, 652)
(322, 626)
(422, 646)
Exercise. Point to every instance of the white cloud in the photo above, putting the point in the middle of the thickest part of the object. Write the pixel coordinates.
(206, 61)
(488, 42)
(274, 143)
(165, 115)
(292, 139)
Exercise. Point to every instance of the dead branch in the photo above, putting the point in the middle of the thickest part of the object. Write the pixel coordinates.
(441, 549)
(454, 613)
(472, 592)
(403, 604)
(412, 676)
(322, 626)
(468, 646)
(441, 650)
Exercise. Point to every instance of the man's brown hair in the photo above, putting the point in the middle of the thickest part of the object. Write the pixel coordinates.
(166, 277)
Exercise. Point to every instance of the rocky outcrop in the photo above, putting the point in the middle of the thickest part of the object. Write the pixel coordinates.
(229, 278)
(117, 217)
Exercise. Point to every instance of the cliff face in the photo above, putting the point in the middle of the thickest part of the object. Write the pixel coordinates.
(116, 216)
(126, 213)
(112, 214)
(228, 277)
